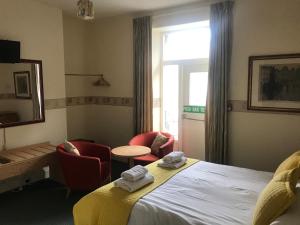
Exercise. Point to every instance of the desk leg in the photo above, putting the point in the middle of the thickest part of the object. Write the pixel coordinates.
(130, 162)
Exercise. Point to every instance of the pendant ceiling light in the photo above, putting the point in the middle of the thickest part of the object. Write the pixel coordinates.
(85, 9)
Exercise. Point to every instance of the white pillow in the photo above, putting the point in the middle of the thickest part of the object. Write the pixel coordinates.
(292, 215)
(69, 147)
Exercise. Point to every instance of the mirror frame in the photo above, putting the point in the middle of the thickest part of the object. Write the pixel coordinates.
(39, 62)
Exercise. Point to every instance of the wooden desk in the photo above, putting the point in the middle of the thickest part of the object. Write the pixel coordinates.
(131, 152)
(29, 158)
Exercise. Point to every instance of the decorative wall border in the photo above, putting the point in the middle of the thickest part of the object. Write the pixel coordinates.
(58, 103)
(241, 106)
(235, 105)
(87, 100)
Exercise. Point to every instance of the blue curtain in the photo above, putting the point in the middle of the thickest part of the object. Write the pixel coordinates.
(216, 127)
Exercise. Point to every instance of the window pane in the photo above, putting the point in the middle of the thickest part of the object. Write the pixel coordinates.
(187, 44)
(198, 88)
(170, 99)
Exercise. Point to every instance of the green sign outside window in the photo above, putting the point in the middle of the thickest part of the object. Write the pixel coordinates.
(194, 109)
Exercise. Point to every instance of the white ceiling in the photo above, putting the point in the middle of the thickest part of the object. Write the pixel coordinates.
(107, 8)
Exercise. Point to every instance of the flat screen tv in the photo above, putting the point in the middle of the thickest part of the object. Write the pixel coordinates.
(9, 51)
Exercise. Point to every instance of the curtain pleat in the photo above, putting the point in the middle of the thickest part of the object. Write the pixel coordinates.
(216, 124)
(143, 106)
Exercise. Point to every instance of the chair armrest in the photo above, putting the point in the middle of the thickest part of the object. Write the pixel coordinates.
(145, 139)
(138, 140)
(168, 144)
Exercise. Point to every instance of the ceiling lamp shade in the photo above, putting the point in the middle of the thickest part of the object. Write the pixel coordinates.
(85, 9)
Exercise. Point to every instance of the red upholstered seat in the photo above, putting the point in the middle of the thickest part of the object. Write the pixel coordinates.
(145, 160)
(147, 139)
(88, 171)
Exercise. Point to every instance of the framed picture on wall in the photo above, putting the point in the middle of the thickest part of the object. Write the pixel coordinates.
(22, 84)
(274, 83)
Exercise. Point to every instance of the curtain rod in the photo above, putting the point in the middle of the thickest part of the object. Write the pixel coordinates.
(179, 9)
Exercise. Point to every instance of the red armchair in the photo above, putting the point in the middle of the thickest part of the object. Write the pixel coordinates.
(146, 139)
(88, 171)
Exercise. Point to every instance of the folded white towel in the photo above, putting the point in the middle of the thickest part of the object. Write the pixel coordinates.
(133, 186)
(173, 157)
(175, 165)
(135, 173)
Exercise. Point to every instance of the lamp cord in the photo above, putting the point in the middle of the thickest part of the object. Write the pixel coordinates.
(4, 139)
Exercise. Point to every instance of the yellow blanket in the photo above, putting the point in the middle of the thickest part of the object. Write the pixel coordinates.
(110, 205)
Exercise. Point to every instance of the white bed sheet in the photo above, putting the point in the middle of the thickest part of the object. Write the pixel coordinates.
(203, 194)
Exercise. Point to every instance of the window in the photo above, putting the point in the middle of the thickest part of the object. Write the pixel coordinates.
(183, 76)
(192, 43)
(198, 88)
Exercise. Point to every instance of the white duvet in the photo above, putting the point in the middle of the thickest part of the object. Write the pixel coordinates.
(203, 194)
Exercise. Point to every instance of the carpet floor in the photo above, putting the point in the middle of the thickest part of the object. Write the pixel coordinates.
(43, 203)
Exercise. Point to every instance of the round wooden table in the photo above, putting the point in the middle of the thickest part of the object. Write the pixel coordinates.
(130, 152)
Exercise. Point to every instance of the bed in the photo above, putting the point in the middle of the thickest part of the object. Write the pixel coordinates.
(205, 194)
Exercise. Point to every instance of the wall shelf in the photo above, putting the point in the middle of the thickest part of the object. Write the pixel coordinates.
(29, 158)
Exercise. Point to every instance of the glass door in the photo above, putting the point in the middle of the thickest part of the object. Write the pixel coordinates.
(192, 110)
(183, 105)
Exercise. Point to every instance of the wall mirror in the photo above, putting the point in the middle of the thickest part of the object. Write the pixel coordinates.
(21, 93)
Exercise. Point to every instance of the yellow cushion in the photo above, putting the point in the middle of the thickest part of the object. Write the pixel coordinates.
(290, 163)
(277, 197)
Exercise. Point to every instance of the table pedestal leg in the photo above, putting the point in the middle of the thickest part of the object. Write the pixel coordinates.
(130, 162)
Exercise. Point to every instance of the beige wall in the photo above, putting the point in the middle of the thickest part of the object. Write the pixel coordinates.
(112, 55)
(75, 53)
(76, 34)
(40, 30)
(262, 140)
(112, 41)
(107, 50)
(257, 140)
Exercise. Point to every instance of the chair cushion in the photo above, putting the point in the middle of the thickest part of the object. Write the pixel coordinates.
(70, 148)
(159, 140)
(276, 198)
(146, 159)
(291, 162)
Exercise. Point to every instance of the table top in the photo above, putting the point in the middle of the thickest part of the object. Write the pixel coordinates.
(131, 151)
